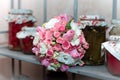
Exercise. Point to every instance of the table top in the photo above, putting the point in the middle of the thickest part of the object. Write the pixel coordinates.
(99, 72)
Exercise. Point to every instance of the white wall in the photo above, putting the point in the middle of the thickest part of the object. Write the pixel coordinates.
(4, 8)
(101, 7)
(118, 9)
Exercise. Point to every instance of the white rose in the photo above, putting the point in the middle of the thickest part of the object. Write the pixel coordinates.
(36, 39)
(75, 27)
(75, 42)
(43, 48)
(51, 23)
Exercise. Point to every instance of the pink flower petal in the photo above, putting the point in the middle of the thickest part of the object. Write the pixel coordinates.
(64, 67)
(48, 41)
(81, 55)
(82, 39)
(86, 45)
(62, 28)
(48, 35)
(35, 50)
(45, 62)
(66, 45)
(41, 32)
(69, 35)
(74, 53)
(57, 34)
(57, 47)
(60, 40)
(50, 53)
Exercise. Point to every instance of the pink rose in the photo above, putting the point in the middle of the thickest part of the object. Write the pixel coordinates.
(66, 45)
(50, 53)
(41, 32)
(48, 37)
(57, 34)
(82, 39)
(69, 35)
(48, 41)
(60, 40)
(57, 47)
(62, 28)
(48, 34)
(35, 50)
(56, 27)
(64, 17)
(55, 61)
(74, 53)
(81, 50)
(81, 55)
(64, 67)
(86, 45)
(45, 62)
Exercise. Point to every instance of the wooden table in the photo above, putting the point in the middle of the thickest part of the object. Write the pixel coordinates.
(99, 72)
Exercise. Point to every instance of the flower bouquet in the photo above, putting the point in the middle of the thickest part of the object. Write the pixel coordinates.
(60, 43)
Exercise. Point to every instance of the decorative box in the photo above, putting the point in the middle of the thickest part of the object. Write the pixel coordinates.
(94, 31)
(17, 19)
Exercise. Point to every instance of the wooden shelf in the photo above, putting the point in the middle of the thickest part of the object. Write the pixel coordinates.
(99, 72)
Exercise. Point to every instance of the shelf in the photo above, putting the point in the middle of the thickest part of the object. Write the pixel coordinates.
(99, 72)
(4, 51)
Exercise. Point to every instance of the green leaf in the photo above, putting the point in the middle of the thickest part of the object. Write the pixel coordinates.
(68, 24)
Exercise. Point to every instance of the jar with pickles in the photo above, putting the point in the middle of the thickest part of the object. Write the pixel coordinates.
(94, 29)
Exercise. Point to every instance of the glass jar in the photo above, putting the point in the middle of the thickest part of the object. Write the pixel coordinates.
(94, 29)
(17, 19)
(113, 54)
(111, 60)
(26, 36)
(115, 27)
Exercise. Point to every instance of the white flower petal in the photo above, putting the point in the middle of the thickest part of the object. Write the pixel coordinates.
(36, 39)
(51, 68)
(51, 23)
(65, 58)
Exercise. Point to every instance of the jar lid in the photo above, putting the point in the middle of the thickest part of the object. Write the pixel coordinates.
(113, 47)
(25, 32)
(21, 11)
(114, 38)
(116, 21)
(91, 17)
